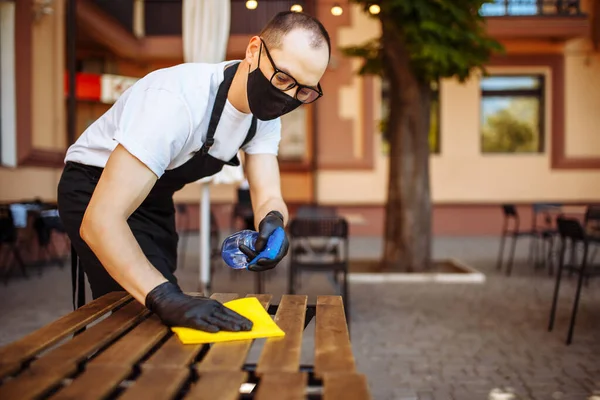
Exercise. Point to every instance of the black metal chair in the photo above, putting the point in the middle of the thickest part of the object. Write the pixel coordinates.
(242, 210)
(510, 213)
(47, 222)
(571, 230)
(329, 254)
(546, 233)
(316, 211)
(591, 220)
(8, 244)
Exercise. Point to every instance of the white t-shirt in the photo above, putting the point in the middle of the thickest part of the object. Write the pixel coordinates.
(163, 119)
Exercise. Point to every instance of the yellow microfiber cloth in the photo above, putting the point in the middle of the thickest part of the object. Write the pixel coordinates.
(249, 307)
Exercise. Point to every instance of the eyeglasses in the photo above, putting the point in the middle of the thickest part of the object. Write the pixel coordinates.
(284, 81)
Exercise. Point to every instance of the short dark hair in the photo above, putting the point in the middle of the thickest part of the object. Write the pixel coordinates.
(286, 21)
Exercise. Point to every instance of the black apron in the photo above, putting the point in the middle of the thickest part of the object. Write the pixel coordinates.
(153, 223)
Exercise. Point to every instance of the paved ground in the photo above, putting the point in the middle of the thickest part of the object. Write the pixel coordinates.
(416, 340)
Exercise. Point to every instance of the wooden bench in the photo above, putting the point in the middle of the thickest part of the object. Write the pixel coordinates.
(125, 352)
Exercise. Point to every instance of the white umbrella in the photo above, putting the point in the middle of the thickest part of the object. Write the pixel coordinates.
(228, 175)
(205, 35)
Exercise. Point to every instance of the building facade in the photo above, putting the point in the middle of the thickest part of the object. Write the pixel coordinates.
(528, 132)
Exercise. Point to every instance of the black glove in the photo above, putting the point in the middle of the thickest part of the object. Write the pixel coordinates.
(176, 308)
(267, 226)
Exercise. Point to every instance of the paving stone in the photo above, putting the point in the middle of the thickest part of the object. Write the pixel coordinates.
(454, 341)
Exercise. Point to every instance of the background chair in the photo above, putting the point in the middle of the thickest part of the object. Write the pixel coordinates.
(591, 220)
(242, 210)
(546, 234)
(571, 230)
(47, 223)
(311, 249)
(8, 244)
(316, 211)
(515, 232)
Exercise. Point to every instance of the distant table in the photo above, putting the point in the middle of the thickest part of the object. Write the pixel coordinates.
(130, 354)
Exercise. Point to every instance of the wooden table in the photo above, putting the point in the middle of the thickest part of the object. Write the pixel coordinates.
(127, 353)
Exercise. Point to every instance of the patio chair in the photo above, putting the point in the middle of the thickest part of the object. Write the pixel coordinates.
(316, 211)
(571, 230)
(47, 222)
(547, 233)
(8, 244)
(510, 213)
(320, 245)
(242, 210)
(591, 219)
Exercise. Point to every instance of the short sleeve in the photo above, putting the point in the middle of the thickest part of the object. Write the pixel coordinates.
(267, 138)
(154, 126)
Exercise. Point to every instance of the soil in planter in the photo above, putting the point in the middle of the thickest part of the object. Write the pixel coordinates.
(374, 266)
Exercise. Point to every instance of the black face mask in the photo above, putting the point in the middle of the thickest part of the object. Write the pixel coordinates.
(265, 100)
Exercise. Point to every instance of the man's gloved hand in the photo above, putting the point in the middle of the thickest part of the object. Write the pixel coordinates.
(176, 308)
(269, 223)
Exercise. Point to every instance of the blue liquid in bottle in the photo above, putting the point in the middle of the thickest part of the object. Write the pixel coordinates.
(233, 256)
(230, 249)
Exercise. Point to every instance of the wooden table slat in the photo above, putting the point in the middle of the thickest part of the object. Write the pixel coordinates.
(129, 349)
(282, 354)
(282, 386)
(43, 338)
(347, 386)
(35, 381)
(167, 371)
(333, 351)
(224, 385)
(174, 353)
(96, 382)
(104, 373)
(157, 383)
(9, 369)
(94, 338)
(50, 369)
(229, 356)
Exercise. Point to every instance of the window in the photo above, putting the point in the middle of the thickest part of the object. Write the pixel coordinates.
(512, 114)
(502, 8)
(434, 122)
(509, 7)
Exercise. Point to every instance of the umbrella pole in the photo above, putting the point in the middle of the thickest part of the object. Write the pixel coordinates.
(205, 239)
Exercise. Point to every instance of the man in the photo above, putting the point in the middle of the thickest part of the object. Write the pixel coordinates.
(173, 127)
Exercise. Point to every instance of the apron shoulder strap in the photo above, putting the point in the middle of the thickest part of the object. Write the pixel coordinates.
(218, 107)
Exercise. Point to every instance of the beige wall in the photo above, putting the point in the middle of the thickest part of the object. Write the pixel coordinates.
(367, 186)
(461, 173)
(26, 183)
(582, 97)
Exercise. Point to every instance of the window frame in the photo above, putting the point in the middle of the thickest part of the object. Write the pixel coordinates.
(539, 93)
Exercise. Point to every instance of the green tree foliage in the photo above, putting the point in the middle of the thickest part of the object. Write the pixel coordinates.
(444, 38)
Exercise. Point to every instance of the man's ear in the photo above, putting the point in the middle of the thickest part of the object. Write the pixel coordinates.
(252, 50)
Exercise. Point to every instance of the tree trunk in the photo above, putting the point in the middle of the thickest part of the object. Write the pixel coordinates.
(407, 241)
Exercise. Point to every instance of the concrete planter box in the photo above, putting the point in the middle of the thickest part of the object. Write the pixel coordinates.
(444, 271)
